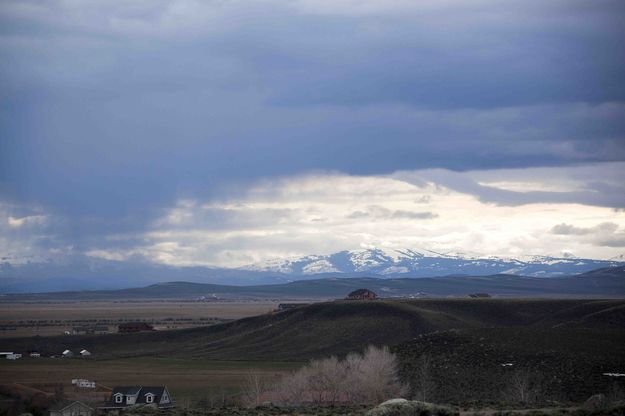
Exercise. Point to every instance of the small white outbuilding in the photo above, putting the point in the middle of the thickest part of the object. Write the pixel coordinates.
(85, 353)
(67, 354)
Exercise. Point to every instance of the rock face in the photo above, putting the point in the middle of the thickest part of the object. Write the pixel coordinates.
(403, 407)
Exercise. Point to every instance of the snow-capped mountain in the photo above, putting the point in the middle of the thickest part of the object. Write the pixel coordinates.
(425, 263)
(86, 273)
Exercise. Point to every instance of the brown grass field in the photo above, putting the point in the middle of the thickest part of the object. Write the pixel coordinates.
(188, 380)
(14, 316)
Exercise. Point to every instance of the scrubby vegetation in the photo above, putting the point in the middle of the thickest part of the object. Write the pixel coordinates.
(365, 378)
(517, 367)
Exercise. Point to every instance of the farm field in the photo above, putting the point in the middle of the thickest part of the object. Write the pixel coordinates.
(188, 380)
(44, 319)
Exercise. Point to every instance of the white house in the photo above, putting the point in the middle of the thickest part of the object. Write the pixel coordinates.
(85, 353)
(35, 354)
(83, 383)
(67, 354)
(13, 356)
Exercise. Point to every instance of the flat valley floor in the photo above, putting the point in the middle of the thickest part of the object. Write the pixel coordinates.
(46, 319)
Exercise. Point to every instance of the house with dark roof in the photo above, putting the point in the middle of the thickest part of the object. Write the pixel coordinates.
(127, 396)
(362, 294)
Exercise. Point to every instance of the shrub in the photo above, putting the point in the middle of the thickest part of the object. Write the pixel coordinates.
(368, 378)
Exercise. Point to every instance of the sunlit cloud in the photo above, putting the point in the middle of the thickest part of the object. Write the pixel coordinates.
(325, 213)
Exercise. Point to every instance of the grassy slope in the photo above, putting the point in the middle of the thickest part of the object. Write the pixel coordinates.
(335, 328)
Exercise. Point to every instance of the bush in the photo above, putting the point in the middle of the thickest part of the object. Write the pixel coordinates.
(368, 378)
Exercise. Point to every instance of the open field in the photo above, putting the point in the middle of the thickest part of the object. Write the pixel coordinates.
(53, 318)
(189, 380)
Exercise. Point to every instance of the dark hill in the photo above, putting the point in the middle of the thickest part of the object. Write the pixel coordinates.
(610, 272)
(337, 327)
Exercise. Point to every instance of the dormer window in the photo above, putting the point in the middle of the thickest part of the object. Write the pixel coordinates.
(128, 399)
(149, 398)
(119, 398)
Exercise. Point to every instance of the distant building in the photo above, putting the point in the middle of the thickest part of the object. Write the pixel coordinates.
(134, 327)
(480, 295)
(13, 356)
(123, 397)
(90, 329)
(362, 294)
(34, 354)
(85, 353)
(67, 354)
(69, 408)
(82, 383)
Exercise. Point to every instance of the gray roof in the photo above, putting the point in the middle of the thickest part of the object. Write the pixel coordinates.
(140, 392)
(127, 390)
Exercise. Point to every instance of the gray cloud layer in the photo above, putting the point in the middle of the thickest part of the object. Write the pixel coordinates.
(113, 111)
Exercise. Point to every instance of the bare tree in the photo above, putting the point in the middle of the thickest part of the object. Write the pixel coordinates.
(368, 378)
(254, 388)
(524, 386)
(423, 381)
(380, 378)
(353, 375)
(293, 388)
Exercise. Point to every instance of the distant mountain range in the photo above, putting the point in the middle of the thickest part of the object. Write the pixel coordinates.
(601, 283)
(425, 263)
(88, 273)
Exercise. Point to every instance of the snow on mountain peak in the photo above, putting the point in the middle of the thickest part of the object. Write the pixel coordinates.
(422, 262)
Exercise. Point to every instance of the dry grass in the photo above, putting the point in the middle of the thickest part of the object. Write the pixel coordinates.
(189, 380)
(16, 315)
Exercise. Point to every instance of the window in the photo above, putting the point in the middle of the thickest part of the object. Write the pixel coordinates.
(149, 398)
(119, 398)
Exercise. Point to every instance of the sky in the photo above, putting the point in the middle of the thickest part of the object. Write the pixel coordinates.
(229, 132)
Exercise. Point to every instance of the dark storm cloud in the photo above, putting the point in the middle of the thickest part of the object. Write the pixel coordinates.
(112, 112)
(599, 184)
